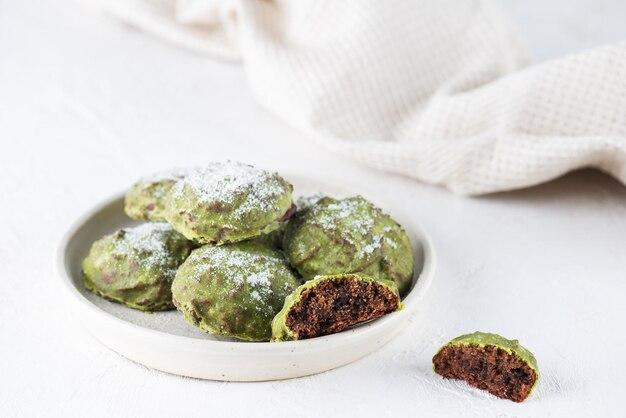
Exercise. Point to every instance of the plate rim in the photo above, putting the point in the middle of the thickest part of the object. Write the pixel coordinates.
(410, 300)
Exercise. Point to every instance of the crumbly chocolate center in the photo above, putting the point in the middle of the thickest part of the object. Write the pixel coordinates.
(489, 368)
(335, 305)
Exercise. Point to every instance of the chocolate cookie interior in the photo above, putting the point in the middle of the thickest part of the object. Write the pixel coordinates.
(335, 305)
(489, 368)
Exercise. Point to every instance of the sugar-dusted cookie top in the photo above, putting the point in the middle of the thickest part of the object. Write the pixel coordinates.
(228, 202)
(136, 266)
(350, 235)
(233, 290)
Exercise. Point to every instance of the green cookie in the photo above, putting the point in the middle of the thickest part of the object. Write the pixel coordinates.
(490, 362)
(233, 290)
(330, 304)
(136, 266)
(228, 202)
(348, 236)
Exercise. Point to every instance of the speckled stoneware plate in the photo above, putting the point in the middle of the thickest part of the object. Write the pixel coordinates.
(165, 342)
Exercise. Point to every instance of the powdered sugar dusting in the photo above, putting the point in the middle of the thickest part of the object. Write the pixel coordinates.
(238, 266)
(261, 277)
(354, 220)
(346, 211)
(391, 242)
(371, 247)
(149, 241)
(344, 215)
(225, 182)
(256, 295)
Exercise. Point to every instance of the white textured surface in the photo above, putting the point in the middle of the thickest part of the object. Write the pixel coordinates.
(87, 105)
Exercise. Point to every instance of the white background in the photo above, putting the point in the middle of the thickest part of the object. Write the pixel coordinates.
(88, 104)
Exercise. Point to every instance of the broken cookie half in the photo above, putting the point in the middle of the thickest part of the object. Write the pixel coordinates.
(329, 304)
(490, 362)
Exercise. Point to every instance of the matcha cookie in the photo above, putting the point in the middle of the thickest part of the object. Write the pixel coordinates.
(490, 362)
(228, 202)
(144, 200)
(233, 290)
(136, 266)
(348, 236)
(330, 304)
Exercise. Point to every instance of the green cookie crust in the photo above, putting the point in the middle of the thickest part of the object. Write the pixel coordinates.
(281, 331)
(136, 266)
(348, 236)
(482, 339)
(483, 373)
(233, 290)
(144, 201)
(227, 202)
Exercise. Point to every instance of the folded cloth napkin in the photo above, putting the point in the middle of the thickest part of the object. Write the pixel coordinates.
(436, 90)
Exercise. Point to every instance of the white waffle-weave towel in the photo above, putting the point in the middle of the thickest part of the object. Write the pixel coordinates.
(437, 90)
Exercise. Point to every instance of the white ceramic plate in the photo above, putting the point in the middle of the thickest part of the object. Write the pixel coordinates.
(165, 342)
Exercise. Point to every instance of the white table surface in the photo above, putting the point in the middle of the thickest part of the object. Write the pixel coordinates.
(88, 104)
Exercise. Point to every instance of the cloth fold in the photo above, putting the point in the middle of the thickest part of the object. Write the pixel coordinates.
(438, 90)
